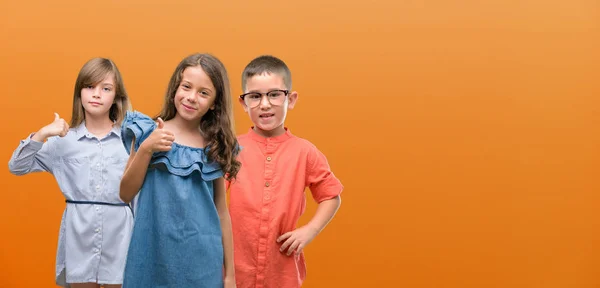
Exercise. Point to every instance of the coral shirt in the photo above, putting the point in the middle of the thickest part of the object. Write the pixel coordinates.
(267, 199)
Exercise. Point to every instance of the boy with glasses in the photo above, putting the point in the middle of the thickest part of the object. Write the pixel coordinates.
(267, 196)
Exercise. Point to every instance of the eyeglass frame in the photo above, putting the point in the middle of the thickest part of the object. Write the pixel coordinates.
(285, 94)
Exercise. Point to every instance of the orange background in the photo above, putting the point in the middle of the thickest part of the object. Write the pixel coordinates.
(465, 132)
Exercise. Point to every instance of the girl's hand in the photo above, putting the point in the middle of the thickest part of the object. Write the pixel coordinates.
(159, 140)
(58, 127)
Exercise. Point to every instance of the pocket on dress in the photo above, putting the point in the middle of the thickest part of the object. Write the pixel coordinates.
(74, 174)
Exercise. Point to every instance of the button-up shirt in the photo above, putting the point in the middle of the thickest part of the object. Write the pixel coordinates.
(93, 239)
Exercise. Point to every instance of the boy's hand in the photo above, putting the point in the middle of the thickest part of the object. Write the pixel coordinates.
(229, 282)
(296, 240)
(159, 140)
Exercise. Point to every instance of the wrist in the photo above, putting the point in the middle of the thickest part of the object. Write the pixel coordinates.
(145, 149)
(39, 136)
(312, 228)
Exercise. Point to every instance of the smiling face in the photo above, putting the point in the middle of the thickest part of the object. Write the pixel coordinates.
(268, 107)
(195, 95)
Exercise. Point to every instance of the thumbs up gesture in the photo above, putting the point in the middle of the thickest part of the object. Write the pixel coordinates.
(159, 140)
(58, 127)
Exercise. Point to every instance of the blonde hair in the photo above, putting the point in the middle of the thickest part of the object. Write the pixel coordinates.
(92, 73)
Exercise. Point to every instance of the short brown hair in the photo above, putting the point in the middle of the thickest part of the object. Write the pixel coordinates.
(267, 64)
(92, 73)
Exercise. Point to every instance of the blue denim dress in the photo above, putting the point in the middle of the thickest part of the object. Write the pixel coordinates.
(176, 240)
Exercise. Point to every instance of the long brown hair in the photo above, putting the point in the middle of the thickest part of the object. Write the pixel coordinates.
(92, 73)
(217, 124)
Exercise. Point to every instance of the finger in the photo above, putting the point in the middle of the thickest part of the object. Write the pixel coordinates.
(169, 137)
(284, 236)
(160, 123)
(164, 148)
(286, 244)
(56, 117)
(293, 247)
(167, 132)
(300, 248)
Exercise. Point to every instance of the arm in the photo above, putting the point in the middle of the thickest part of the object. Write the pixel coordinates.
(296, 240)
(221, 203)
(325, 189)
(137, 165)
(33, 155)
(134, 174)
(325, 212)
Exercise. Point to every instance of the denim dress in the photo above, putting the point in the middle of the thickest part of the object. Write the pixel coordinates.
(176, 240)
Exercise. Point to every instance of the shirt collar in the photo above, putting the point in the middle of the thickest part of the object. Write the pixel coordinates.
(277, 139)
(81, 131)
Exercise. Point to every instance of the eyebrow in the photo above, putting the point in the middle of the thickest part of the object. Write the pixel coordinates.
(268, 90)
(188, 82)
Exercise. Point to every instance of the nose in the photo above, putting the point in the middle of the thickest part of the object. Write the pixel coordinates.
(97, 91)
(264, 102)
(190, 96)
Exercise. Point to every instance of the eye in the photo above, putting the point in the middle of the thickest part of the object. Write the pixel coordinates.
(254, 96)
(275, 94)
(185, 86)
(89, 87)
(107, 89)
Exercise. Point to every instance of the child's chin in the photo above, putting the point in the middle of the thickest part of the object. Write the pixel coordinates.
(94, 111)
(266, 128)
(188, 117)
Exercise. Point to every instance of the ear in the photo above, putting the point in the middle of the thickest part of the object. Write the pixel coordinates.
(292, 98)
(243, 104)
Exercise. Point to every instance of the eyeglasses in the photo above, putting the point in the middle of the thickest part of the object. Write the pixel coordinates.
(275, 97)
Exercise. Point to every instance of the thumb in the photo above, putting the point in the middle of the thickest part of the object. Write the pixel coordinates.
(56, 117)
(160, 123)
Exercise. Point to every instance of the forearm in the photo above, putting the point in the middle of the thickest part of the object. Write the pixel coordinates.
(325, 212)
(30, 156)
(226, 230)
(134, 175)
(227, 244)
(40, 136)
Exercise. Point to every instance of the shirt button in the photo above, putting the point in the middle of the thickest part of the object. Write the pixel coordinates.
(97, 208)
(97, 230)
(96, 250)
(269, 158)
(267, 184)
(98, 164)
(267, 197)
